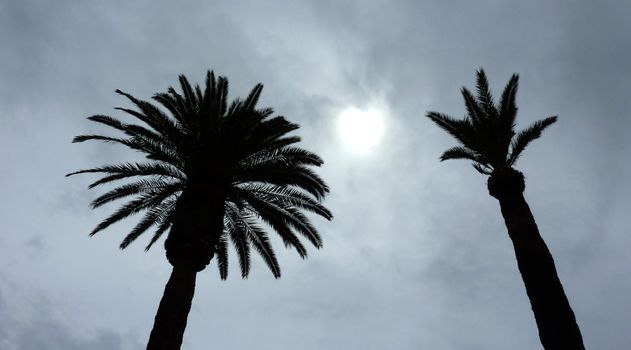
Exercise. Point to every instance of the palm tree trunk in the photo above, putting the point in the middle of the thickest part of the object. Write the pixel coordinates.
(557, 325)
(170, 321)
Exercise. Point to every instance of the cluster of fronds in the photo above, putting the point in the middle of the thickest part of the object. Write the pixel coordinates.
(487, 132)
(241, 149)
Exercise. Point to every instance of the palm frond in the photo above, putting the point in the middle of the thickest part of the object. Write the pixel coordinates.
(461, 129)
(474, 111)
(283, 215)
(222, 94)
(125, 170)
(459, 152)
(266, 135)
(267, 214)
(130, 189)
(484, 95)
(221, 252)
(241, 244)
(154, 150)
(296, 156)
(125, 142)
(171, 104)
(244, 222)
(140, 132)
(153, 217)
(249, 157)
(189, 96)
(284, 175)
(153, 117)
(250, 102)
(109, 121)
(526, 136)
(132, 129)
(287, 196)
(302, 224)
(142, 202)
(280, 157)
(508, 107)
(165, 224)
(186, 117)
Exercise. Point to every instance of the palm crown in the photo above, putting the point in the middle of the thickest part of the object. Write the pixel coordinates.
(487, 132)
(205, 145)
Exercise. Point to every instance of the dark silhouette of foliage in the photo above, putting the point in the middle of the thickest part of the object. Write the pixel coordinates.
(488, 138)
(487, 133)
(215, 172)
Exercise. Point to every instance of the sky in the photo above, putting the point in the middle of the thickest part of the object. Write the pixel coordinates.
(417, 256)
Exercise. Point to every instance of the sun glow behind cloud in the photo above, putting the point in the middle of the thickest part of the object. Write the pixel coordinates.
(361, 130)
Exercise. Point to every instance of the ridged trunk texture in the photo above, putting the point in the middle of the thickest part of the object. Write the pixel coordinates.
(170, 322)
(555, 319)
(190, 246)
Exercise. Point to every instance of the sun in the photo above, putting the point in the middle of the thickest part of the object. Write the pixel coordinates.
(360, 129)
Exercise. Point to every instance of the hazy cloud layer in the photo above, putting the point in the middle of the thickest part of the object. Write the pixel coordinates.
(417, 256)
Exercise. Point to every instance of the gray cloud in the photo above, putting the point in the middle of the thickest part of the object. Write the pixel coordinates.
(417, 256)
(35, 326)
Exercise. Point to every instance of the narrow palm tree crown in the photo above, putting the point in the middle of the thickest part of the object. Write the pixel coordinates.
(234, 154)
(488, 138)
(487, 132)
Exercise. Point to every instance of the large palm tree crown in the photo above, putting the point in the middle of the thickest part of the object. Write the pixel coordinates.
(235, 159)
(487, 132)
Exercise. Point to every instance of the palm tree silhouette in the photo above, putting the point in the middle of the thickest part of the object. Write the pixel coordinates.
(214, 173)
(489, 140)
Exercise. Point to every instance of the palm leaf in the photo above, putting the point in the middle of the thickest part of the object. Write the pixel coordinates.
(221, 252)
(256, 236)
(508, 107)
(474, 111)
(125, 170)
(154, 117)
(284, 175)
(165, 224)
(485, 97)
(142, 202)
(269, 215)
(241, 244)
(130, 189)
(463, 130)
(152, 217)
(459, 152)
(287, 196)
(526, 136)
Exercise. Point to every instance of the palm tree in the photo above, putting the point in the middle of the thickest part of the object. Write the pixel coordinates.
(214, 173)
(487, 136)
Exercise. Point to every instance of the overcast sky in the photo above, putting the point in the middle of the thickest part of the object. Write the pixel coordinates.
(417, 256)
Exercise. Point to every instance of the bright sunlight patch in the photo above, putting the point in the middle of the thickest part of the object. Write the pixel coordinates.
(360, 130)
